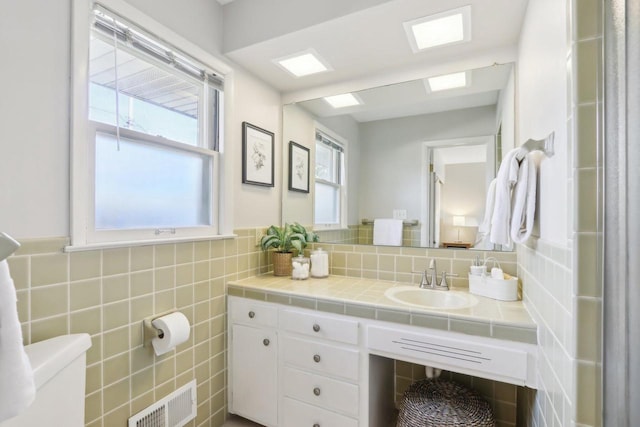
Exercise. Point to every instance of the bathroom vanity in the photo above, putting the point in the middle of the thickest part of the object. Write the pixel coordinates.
(321, 352)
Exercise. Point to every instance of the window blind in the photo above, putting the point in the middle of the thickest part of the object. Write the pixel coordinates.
(320, 137)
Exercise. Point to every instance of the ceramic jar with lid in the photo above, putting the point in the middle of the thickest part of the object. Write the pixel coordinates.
(319, 263)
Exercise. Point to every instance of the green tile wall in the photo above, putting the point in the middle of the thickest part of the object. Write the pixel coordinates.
(107, 293)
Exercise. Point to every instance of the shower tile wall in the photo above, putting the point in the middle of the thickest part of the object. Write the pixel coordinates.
(563, 286)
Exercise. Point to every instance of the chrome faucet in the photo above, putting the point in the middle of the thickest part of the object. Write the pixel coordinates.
(429, 278)
(434, 273)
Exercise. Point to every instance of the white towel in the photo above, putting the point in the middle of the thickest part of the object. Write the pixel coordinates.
(524, 201)
(501, 218)
(482, 241)
(17, 388)
(387, 231)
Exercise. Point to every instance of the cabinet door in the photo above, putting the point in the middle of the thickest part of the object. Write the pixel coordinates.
(254, 359)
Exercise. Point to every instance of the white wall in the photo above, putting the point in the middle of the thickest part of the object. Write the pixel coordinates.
(391, 156)
(259, 105)
(542, 108)
(507, 114)
(34, 149)
(298, 126)
(199, 21)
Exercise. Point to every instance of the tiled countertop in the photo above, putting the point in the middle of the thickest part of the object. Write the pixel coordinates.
(365, 298)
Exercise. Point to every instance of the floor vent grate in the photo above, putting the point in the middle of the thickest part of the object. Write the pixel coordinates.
(174, 410)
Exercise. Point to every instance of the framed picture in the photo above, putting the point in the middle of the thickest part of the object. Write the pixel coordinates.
(298, 168)
(257, 155)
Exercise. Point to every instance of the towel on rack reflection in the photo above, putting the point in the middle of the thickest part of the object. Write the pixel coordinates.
(17, 388)
(505, 182)
(482, 237)
(387, 231)
(524, 201)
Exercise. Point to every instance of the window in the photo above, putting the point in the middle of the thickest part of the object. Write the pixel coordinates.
(330, 189)
(152, 125)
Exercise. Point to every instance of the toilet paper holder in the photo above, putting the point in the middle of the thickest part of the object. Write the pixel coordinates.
(149, 332)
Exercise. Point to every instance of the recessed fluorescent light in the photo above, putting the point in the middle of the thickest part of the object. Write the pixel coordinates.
(452, 26)
(448, 81)
(303, 63)
(343, 100)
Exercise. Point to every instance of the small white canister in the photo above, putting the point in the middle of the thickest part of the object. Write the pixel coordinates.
(300, 268)
(319, 263)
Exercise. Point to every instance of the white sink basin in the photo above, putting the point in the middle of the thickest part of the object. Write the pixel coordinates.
(429, 298)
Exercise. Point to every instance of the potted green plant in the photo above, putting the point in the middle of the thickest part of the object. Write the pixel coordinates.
(284, 240)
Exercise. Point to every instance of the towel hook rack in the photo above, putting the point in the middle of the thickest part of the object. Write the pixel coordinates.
(544, 145)
(8, 245)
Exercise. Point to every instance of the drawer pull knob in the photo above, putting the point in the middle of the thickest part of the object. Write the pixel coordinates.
(252, 315)
(316, 391)
(316, 358)
(266, 342)
(316, 327)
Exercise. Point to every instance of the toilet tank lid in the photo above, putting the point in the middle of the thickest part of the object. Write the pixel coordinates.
(50, 356)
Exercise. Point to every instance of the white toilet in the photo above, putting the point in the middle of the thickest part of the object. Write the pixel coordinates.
(59, 367)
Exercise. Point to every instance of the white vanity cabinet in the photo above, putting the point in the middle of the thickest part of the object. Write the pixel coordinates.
(320, 364)
(295, 367)
(307, 375)
(253, 361)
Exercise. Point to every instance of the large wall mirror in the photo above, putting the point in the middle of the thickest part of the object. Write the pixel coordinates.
(410, 151)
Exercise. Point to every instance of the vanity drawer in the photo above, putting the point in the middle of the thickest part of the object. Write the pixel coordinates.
(317, 325)
(250, 312)
(322, 358)
(298, 414)
(321, 391)
(507, 363)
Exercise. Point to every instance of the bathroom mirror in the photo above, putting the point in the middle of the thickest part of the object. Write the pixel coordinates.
(410, 151)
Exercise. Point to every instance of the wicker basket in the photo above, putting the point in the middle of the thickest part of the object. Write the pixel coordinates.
(282, 263)
(441, 403)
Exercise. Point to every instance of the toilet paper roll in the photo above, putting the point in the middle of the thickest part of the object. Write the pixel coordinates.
(173, 330)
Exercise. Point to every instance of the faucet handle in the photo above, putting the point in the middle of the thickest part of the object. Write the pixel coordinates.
(443, 281)
(424, 280)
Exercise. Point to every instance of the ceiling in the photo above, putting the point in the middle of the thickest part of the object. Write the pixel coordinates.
(413, 98)
(366, 42)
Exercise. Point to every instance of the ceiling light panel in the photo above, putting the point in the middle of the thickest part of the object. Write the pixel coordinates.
(448, 81)
(343, 100)
(303, 63)
(446, 28)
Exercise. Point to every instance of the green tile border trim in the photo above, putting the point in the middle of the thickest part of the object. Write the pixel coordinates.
(394, 316)
(364, 311)
(513, 333)
(257, 295)
(430, 321)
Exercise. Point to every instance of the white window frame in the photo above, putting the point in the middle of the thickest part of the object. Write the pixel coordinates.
(83, 232)
(343, 186)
